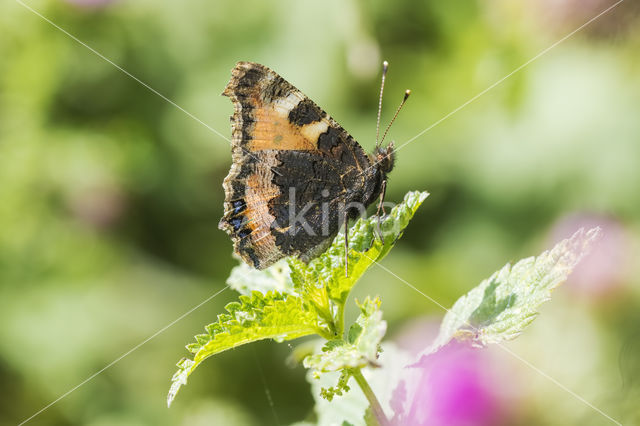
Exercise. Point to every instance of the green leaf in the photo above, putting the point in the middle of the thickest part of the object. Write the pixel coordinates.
(260, 316)
(360, 350)
(288, 301)
(503, 305)
(323, 278)
(244, 279)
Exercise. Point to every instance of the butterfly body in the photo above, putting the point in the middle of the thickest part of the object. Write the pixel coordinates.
(296, 173)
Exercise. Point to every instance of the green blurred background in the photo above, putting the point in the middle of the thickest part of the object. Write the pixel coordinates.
(110, 196)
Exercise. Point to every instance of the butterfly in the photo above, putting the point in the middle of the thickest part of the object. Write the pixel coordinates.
(296, 174)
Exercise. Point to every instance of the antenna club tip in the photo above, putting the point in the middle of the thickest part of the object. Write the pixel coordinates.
(406, 94)
(385, 64)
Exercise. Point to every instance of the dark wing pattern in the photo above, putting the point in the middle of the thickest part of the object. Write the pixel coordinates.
(294, 170)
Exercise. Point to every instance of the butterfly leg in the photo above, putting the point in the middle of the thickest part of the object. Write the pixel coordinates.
(346, 245)
(381, 207)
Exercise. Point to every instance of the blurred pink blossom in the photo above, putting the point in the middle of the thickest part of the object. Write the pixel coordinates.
(456, 386)
(566, 15)
(605, 269)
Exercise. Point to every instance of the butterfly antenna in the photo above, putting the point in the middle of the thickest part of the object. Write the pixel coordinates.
(385, 67)
(406, 96)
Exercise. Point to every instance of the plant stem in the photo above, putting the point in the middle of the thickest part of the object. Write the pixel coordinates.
(340, 325)
(324, 333)
(376, 408)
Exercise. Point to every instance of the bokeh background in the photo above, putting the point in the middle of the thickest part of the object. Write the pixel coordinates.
(110, 196)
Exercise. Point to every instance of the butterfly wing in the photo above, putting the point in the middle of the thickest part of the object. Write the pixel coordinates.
(293, 167)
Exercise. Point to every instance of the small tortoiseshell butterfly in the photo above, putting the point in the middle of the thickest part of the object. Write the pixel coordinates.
(291, 156)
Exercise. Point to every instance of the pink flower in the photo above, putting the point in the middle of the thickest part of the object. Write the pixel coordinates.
(566, 15)
(456, 386)
(603, 271)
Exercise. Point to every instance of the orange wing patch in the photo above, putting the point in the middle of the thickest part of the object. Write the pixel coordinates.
(258, 191)
(273, 130)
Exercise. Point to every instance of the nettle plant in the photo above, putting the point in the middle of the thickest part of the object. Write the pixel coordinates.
(292, 299)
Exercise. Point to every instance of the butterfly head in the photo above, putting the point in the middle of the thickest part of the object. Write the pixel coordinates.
(385, 158)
